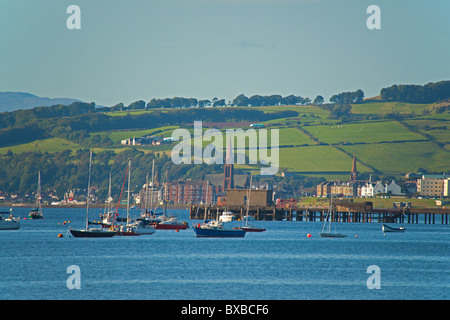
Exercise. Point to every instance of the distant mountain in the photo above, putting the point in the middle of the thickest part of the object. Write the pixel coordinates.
(10, 101)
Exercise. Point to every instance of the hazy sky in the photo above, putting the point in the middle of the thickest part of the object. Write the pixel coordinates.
(141, 49)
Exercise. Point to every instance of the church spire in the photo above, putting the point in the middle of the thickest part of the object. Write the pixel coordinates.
(228, 179)
(354, 173)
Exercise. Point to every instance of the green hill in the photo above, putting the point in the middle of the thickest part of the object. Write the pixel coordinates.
(388, 138)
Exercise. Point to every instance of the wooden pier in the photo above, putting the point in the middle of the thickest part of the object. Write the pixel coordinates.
(344, 211)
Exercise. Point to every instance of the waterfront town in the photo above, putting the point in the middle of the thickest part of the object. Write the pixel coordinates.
(212, 190)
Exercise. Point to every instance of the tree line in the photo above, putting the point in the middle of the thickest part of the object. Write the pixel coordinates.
(428, 93)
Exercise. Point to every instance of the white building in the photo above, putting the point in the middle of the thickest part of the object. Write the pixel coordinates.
(367, 190)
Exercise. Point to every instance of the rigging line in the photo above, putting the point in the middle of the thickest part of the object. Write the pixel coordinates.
(120, 197)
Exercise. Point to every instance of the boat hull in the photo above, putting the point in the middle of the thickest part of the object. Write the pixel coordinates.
(164, 226)
(332, 235)
(219, 233)
(253, 229)
(387, 228)
(35, 216)
(9, 225)
(92, 233)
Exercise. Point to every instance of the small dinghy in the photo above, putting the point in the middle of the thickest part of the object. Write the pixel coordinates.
(387, 228)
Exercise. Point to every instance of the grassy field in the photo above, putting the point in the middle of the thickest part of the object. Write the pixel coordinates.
(49, 145)
(390, 107)
(317, 159)
(396, 158)
(365, 132)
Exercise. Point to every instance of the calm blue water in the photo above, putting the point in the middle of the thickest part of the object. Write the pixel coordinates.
(279, 264)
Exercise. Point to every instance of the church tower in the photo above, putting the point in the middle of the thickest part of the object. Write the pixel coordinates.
(354, 173)
(228, 181)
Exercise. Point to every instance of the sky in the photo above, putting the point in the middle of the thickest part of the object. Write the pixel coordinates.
(128, 50)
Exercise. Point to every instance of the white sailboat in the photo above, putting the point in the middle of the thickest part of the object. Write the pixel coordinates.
(326, 229)
(36, 213)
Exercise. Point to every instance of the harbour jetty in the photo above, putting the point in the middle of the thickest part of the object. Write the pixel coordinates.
(344, 211)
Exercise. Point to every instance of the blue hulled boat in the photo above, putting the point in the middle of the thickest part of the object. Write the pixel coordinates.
(216, 229)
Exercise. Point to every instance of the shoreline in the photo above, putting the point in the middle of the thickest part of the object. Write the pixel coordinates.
(97, 206)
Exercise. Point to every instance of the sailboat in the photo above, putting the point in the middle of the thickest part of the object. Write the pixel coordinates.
(248, 227)
(91, 232)
(166, 222)
(129, 229)
(36, 213)
(326, 233)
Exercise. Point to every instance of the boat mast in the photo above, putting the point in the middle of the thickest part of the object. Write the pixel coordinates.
(128, 199)
(248, 199)
(88, 191)
(38, 205)
(151, 196)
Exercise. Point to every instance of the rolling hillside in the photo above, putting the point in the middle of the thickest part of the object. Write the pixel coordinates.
(388, 138)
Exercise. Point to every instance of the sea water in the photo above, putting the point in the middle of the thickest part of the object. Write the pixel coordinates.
(282, 263)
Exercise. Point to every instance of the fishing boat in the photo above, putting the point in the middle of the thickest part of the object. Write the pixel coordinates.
(387, 228)
(91, 232)
(216, 229)
(226, 216)
(36, 213)
(9, 223)
(326, 229)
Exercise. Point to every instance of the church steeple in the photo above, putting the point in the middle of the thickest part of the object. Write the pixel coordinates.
(228, 180)
(354, 173)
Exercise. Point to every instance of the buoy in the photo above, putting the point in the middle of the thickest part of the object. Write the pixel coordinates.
(60, 235)
(309, 235)
(176, 230)
(356, 236)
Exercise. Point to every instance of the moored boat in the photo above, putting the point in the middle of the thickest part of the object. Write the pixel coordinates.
(249, 228)
(332, 235)
(226, 216)
(9, 223)
(36, 213)
(93, 233)
(216, 229)
(387, 228)
(171, 223)
(326, 232)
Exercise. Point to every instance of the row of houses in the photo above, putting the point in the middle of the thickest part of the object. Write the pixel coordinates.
(426, 185)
